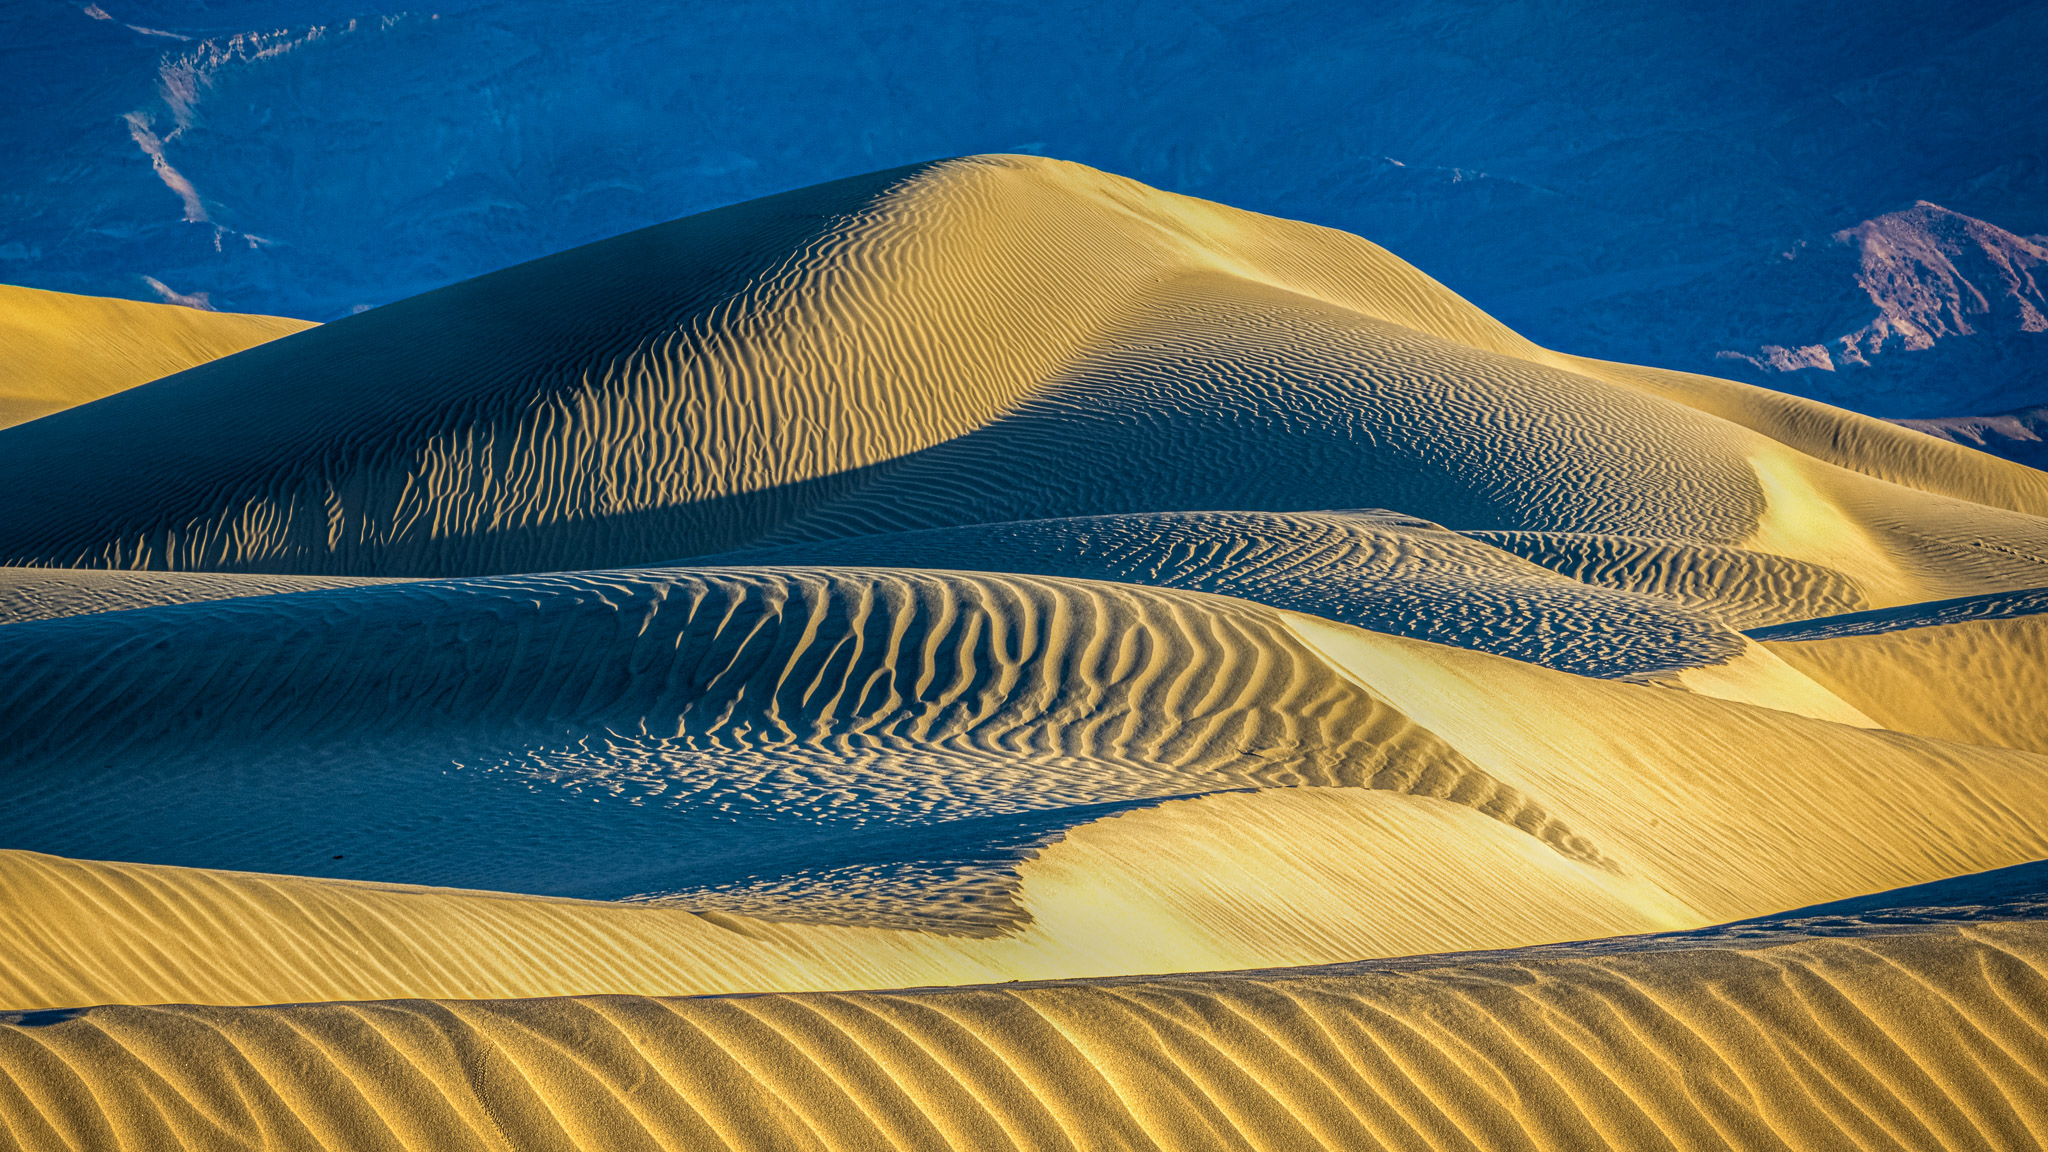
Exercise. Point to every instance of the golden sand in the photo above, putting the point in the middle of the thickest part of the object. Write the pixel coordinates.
(65, 350)
(1040, 563)
(1930, 1039)
(1510, 805)
(1976, 681)
(994, 338)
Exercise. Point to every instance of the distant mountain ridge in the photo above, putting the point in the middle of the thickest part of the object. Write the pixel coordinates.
(1934, 279)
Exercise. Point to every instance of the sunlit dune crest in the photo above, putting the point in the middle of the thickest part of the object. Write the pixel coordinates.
(1248, 697)
(64, 350)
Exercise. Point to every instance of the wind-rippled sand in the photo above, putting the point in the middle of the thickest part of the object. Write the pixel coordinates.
(544, 712)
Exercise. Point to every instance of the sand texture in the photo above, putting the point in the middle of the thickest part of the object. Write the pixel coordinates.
(62, 350)
(1378, 570)
(48, 593)
(1927, 1039)
(1236, 693)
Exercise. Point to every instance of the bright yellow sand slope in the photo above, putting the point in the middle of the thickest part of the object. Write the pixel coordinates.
(1595, 809)
(1977, 681)
(62, 350)
(1928, 1039)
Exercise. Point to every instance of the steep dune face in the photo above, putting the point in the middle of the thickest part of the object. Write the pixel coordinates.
(994, 338)
(1837, 1044)
(65, 350)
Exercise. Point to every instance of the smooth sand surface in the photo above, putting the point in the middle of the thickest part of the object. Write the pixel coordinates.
(989, 571)
(1976, 681)
(1934, 1038)
(58, 350)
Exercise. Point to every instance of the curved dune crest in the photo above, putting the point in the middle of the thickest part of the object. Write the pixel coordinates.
(1840, 1043)
(992, 338)
(65, 350)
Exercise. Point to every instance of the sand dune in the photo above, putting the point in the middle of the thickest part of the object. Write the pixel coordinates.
(1809, 1043)
(1738, 587)
(831, 746)
(65, 350)
(996, 338)
(1017, 599)
(1973, 670)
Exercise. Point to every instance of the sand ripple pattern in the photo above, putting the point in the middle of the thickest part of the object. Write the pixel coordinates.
(1374, 569)
(1219, 393)
(1740, 588)
(48, 593)
(1931, 1039)
(655, 730)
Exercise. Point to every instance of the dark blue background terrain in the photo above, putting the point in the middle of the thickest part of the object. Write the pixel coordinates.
(1612, 178)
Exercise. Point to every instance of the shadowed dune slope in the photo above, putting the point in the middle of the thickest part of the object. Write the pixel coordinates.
(48, 593)
(696, 735)
(977, 340)
(64, 350)
(1929, 1039)
(1374, 569)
